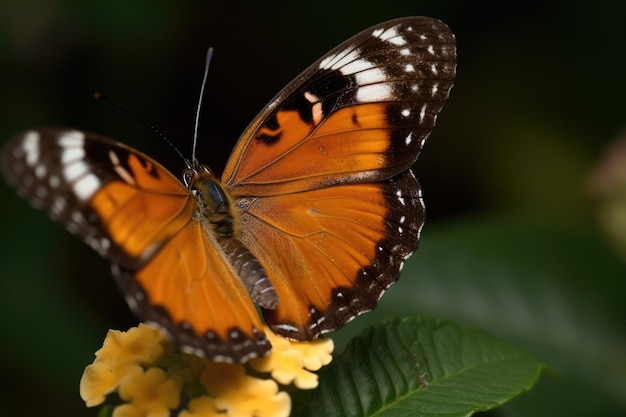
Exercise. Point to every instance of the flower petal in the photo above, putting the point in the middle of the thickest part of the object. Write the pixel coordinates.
(202, 407)
(142, 345)
(97, 381)
(242, 395)
(151, 391)
(288, 361)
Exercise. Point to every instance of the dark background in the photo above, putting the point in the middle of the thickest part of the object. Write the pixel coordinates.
(539, 94)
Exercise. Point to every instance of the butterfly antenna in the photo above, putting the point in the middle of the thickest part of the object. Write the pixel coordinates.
(207, 63)
(104, 97)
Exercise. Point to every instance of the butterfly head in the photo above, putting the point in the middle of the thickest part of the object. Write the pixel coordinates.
(214, 205)
(193, 173)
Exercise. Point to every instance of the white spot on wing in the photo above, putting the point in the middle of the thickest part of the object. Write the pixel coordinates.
(77, 217)
(326, 61)
(86, 187)
(73, 171)
(72, 138)
(132, 302)
(30, 145)
(357, 65)
(400, 197)
(41, 192)
(390, 35)
(105, 244)
(59, 205)
(310, 97)
(72, 154)
(345, 60)
(398, 41)
(40, 171)
(422, 113)
(120, 170)
(317, 111)
(286, 327)
(371, 76)
(54, 181)
(114, 158)
(373, 92)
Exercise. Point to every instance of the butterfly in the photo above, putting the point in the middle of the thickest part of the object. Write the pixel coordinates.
(311, 221)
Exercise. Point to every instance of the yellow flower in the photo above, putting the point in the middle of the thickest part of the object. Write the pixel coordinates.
(152, 377)
(142, 345)
(151, 393)
(98, 380)
(242, 395)
(290, 362)
(202, 407)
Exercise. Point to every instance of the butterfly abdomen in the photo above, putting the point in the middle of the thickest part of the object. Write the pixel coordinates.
(251, 272)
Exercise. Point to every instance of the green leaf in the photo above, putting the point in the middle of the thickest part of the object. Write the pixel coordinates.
(548, 287)
(421, 367)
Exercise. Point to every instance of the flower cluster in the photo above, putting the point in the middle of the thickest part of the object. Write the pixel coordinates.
(153, 379)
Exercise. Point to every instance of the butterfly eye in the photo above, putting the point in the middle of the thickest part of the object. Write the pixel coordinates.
(193, 175)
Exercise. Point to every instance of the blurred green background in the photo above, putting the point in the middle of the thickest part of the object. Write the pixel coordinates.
(514, 243)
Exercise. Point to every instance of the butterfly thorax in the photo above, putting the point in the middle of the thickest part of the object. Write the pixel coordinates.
(215, 207)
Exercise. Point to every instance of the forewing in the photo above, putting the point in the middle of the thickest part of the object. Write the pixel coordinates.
(122, 203)
(359, 114)
(140, 217)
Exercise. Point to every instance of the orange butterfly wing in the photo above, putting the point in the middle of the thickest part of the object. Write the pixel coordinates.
(140, 217)
(332, 252)
(321, 176)
(360, 113)
(192, 291)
